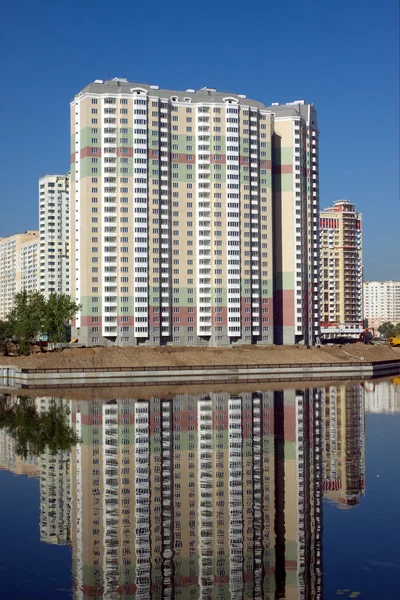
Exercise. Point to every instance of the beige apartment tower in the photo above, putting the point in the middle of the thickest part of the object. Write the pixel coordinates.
(54, 234)
(295, 176)
(18, 268)
(172, 194)
(341, 270)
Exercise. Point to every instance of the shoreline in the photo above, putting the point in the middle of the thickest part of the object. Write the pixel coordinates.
(156, 367)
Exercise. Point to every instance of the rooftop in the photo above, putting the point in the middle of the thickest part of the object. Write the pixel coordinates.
(120, 85)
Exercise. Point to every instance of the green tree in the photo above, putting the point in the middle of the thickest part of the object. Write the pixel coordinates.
(60, 309)
(27, 319)
(6, 335)
(387, 329)
(32, 431)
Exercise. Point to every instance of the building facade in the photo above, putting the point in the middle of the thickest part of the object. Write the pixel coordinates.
(18, 268)
(173, 198)
(381, 302)
(54, 224)
(341, 270)
(295, 222)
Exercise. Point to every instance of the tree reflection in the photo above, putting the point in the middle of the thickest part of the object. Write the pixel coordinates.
(35, 431)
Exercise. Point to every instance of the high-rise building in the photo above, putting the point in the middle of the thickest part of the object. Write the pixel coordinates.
(381, 302)
(54, 227)
(295, 222)
(341, 270)
(174, 236)
(18, 268)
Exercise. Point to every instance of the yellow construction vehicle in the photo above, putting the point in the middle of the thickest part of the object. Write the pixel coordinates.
(394, 341)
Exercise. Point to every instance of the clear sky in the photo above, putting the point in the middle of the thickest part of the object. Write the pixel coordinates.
(343, 56)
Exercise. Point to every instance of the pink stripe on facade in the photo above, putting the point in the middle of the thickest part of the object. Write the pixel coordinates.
(282, 169)
(88, 321)
(89, 151)
(127, 152)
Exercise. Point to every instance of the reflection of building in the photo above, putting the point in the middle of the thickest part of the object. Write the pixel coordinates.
(55, 500)
(53, 472)
(10, 461)
(198, 497)
(344, 444)
(383, 397)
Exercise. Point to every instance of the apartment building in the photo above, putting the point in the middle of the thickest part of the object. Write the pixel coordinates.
(341, 270)
(381, 302)
(173, 204)
(295, 224)
(54, 229)
(18, 267)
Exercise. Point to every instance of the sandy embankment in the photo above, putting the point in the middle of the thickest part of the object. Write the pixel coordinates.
(78, 358)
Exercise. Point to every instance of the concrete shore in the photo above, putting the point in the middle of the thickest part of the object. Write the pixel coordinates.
(14, 376)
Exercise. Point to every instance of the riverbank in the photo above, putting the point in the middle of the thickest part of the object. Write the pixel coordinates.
(103, 368)
(175, 356)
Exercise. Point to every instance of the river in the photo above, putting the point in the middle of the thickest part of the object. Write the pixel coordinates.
(279, 494)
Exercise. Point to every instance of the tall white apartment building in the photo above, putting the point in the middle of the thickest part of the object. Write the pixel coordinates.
(54, 217)
(381, 302)
(172, 201)
(18, 267)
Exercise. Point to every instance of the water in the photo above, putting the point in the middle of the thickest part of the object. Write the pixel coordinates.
(289, 494)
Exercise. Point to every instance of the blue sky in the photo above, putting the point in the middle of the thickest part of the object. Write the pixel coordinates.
(342, 56)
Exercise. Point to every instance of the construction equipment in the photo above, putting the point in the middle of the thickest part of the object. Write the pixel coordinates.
(367, 335)
(394, 341)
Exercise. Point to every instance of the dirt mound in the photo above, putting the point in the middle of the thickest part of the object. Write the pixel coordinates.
(77, 358)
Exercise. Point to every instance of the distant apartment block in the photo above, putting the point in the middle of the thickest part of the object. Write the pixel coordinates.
(381, 302)
(54, 229)
(18, 267)
(195, 217)
(341, 270)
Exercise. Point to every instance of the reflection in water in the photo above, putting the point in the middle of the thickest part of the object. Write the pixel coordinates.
(28, 424)
(344, 439)
(383, 397)
(214, 497)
